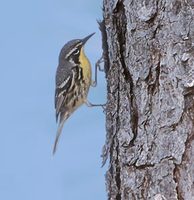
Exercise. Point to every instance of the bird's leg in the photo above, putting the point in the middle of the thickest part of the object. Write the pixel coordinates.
(94, 83)
(97, 67)
(89, 104)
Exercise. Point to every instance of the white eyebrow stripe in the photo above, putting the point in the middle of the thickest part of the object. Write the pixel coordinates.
(79, 44)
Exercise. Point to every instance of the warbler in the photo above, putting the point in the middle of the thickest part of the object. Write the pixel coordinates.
(73, 80)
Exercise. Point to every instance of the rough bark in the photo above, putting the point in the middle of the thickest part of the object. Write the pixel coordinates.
(149, 62)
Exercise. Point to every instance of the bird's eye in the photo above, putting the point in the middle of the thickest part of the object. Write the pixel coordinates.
(76, 52)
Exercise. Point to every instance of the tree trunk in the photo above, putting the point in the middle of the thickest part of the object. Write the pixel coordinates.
(148, 49)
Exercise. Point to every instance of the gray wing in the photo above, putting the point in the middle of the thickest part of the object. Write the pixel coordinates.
(64, 81)
(65, 77)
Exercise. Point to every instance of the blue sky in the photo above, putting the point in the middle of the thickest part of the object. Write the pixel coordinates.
(32, 34)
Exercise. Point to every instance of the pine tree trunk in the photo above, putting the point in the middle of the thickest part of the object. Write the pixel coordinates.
(148, 49)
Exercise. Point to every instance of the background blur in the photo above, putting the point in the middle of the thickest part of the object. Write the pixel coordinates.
(32, 34)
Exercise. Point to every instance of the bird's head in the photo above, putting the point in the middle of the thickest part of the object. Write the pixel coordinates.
(71, 51)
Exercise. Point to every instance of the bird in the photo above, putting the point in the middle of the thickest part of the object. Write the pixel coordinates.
(73, 80)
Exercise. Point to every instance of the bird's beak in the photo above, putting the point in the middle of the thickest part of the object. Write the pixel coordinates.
(87, 38)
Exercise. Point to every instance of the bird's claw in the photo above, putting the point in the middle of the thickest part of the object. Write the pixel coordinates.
(94, 84)
(98, 64)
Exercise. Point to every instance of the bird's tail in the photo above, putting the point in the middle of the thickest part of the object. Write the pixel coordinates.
(59, 130)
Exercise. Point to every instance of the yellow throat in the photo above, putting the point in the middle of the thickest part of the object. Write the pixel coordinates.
(86, 66)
